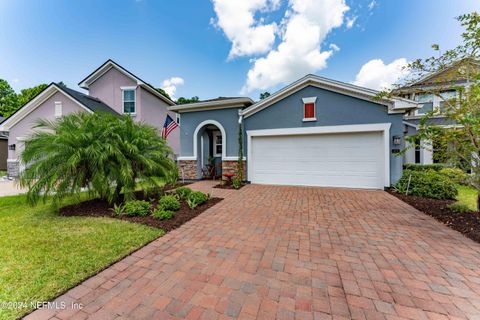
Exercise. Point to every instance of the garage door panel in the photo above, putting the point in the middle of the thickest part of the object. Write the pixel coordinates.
(339, 160)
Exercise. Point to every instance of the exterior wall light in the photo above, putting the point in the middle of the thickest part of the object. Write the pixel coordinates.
(397, 140)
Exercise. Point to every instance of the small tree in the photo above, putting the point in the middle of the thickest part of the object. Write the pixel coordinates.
(461, 139)
(104, 154)
(240, 172)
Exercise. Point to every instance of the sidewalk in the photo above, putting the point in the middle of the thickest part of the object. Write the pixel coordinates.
(10, 188)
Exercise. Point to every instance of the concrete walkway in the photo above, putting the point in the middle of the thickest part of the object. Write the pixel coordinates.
(272, 252)
(10, 188)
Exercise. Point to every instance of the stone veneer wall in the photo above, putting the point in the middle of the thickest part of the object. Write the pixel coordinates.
(188, 168)
(13, 169)
(232, 167)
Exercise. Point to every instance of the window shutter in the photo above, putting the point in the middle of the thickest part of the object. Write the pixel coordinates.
(58, 109)
(309, 112)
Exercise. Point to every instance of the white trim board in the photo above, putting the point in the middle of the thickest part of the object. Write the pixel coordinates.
(195, 139)
(394, 105)
(34, 104)
(109, 64)
(375, 127)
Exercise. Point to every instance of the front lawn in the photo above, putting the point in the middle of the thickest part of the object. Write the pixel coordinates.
(43, 254)
(468, 196)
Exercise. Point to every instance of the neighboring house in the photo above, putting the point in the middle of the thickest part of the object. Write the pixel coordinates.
(3, 148)
(442, 82)
(314, 132)
(111, 89)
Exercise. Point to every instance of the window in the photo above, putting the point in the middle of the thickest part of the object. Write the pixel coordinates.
(417, 151)
(58, 109)
(449, 96)
(217, 144)
(309, 109)
(426, 100)
(129, 101)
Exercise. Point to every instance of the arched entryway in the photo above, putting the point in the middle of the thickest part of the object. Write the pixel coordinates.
(209, 143)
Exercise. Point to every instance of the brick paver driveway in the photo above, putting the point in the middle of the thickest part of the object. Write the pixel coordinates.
(289, 252)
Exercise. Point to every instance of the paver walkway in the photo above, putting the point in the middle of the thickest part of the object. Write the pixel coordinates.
(291, 252)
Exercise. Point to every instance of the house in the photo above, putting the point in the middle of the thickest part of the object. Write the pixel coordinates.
(314, 132)
(441, 83)
(3, 148)
(111, 88)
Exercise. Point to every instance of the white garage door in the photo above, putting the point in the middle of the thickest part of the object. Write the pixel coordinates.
(354, 160)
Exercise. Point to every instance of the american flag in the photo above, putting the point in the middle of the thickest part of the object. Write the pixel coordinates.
(168, 127)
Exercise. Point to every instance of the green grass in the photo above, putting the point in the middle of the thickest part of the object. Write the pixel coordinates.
(42, 254)
(468, 196)
(3, 173)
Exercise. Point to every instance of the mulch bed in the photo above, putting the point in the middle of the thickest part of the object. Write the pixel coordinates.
(101, 208)
(227, 186)
(467, 223)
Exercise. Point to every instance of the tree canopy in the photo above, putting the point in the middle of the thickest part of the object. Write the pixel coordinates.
(10, 101)
(183, 100)
(264, 95)
(461, 139)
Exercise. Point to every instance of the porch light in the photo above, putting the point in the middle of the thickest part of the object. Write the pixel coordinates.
(11, 147)
(397, 140)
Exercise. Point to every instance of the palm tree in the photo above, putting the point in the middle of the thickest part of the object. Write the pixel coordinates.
(105, 154)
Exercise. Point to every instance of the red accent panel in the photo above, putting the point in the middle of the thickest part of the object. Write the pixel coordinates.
(309, 110)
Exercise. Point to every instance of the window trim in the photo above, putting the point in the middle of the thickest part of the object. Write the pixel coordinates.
(134, 89)
(215, 135)
(310, 100)
(58, 109)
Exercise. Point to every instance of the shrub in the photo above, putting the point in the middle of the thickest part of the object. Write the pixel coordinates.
(93, 152)
(455, 174)
(428, 184)
(236, 182)
(183, 192)
(459, 207)
(423, 167)
(163, 214)
(118, 209)
(196, 198)
(169, 202)
(137, 208)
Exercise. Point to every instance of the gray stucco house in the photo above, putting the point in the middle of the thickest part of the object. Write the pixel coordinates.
(314, 132)
(111, 88)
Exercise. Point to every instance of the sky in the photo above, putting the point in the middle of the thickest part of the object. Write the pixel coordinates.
(212, 48)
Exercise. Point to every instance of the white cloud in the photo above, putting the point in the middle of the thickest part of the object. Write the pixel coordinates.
(372, 4)
(170, 85)
(375, 74)
(237, 20)
(350, 21)
(334, 47)
(305, 25)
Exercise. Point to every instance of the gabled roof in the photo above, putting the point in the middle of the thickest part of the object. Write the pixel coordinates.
(213, 104)
(2, 119)
(88, 103)
(394, 105)
(91, 103)
(92, 77)
(451, 73)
